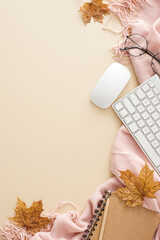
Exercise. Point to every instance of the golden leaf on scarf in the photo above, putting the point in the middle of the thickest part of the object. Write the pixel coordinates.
(29, 218)
(96, 9)
(137, 187)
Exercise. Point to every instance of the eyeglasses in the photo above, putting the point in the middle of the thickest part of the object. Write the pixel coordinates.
(136, 45)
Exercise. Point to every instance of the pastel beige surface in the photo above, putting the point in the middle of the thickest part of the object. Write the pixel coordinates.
(54, 143)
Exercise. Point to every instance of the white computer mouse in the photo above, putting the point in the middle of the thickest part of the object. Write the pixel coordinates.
(110, 85)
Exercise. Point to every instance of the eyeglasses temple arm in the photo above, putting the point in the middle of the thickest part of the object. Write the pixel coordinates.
(152, 55)
(127, 48)
(144, 50)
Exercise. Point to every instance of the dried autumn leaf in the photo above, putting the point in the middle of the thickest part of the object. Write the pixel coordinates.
(96, 9)
(137, 187)
(29, 218)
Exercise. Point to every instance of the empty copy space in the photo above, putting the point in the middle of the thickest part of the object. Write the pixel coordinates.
(54, 143)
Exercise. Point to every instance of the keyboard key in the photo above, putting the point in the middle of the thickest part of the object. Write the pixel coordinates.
(150, 94)
(136, 116)
(150, 137)
(158, 108)
(141, 123)
(145, 115)
(155, 90)
(154, 129)
(147, 148)
(123, 113)
(158, 136)
(128, 105)
(150, 122)
(155, 143)
(134, 99)
(150, 109)
(145, 130)
(155, 101)
(118, 106)
(145, 87)
(128, 119)
(158, 150)
(140, 108)
(158, 122)
(133, 127)
(151, 84)
(140, 94)
(155, 115)
(146, 102)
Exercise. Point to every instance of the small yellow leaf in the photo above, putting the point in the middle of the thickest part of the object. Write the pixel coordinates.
(124, 193)
(137, 187)
(96, 9)
(29, 218)
(137, 201)
(132, 182)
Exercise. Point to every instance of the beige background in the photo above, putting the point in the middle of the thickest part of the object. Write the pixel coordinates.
(54, 143)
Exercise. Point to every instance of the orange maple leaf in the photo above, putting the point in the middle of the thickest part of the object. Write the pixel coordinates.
(137, 187)
(29, 218)
(96, 9)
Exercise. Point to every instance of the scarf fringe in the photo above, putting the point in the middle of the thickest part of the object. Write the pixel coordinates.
(11, 232)
(126, 11)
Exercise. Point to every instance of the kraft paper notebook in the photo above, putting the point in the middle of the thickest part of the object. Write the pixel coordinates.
(113, 221)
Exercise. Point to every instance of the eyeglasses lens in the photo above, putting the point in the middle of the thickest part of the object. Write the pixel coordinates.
(136, 45)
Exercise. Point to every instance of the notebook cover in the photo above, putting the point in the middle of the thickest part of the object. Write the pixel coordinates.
(123, 223)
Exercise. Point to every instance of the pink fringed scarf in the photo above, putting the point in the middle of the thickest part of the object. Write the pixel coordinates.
(136, 16)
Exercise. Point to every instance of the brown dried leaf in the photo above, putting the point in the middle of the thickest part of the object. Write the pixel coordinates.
(137, 187)
(96, 9)
(29, 218)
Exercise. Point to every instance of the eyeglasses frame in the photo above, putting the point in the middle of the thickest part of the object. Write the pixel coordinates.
(140, 48)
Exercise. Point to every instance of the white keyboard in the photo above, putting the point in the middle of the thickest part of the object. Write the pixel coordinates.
(140, 112)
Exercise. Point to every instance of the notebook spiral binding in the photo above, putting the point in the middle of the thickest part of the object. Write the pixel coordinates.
(96, 216)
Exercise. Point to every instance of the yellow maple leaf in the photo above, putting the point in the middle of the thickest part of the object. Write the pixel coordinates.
(29, 218)
(96, 9)
(137, 187)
